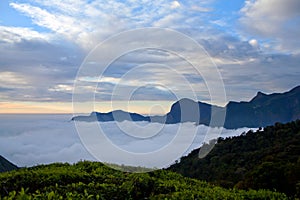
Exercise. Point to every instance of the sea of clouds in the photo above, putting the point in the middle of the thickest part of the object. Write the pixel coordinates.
(28, 140)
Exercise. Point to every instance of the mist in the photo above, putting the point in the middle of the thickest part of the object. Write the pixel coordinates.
(28, 140)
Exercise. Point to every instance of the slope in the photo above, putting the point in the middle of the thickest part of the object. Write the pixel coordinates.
(92, 180)
(266, 159)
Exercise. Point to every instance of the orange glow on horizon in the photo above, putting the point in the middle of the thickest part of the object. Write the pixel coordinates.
(30, 108)
(141, 107)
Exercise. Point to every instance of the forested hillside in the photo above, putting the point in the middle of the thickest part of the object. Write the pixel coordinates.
(92, 180)
(268, 158)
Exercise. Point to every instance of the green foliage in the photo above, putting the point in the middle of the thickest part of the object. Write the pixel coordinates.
(93, 180)
(265, 159)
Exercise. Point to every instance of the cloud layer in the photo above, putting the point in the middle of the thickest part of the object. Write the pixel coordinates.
(28, 140)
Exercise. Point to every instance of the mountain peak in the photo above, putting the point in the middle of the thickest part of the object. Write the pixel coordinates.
(259, 96)
(186, 100)
(295, 89)
(259, 93)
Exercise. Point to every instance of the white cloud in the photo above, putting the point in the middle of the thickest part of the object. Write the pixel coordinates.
(274, 19)
(175, 4)
(32, 140)
(61, 88)
(201, 8)
(13, 80)
(17, 34)
(254, 43)
(28, 140)
(88, 23)
(169, 20)
(61, 24)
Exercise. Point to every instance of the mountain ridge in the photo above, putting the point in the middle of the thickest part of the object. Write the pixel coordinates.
(262, 110)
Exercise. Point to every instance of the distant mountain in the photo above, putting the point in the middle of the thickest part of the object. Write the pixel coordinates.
(187, 110)
(5, 165)
(262, 110)
(117, 115)
(265, 159)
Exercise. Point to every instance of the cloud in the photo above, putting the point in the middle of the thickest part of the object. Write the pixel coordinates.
(201, 8)
(30, 65)
(254, 43)
(62, 87)
(226, 46)
(34, 140)
(48, 60)
(28, 140)
(88, 23)
(275, 20)
(175, 4)
(269, 73)
(12, 80)
(146, 77)
(17, 34)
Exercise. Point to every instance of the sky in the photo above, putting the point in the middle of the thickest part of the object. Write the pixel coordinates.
(254, 45)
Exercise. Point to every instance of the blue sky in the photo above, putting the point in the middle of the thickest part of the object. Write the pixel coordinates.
(255, 45)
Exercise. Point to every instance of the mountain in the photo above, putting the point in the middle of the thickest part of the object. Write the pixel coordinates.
(117, 115)
(262, 110)
(187, 110)
(265, 159)
(5, 165)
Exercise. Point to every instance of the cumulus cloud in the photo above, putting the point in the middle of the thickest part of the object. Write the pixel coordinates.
(175, 4)
(28, 140)
(274, 19)
(254, 43)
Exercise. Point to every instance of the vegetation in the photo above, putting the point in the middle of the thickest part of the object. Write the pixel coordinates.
(92, 180)
(265, 159)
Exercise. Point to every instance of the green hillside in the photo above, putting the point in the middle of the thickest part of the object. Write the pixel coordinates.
(92, 180)
(268, 159)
